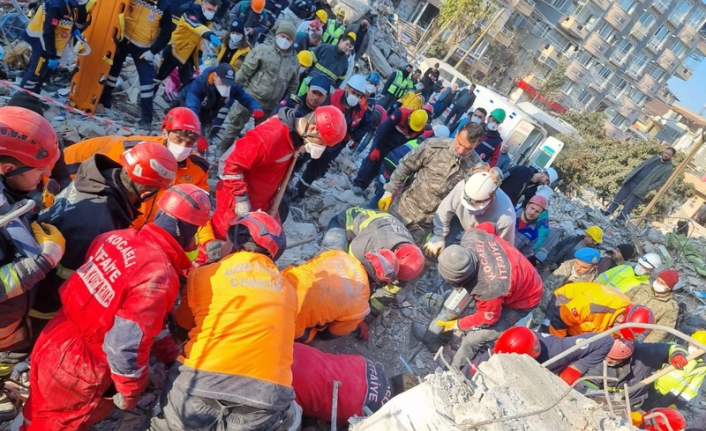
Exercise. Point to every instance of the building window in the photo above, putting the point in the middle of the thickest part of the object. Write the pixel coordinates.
(558, 4)
(606, 32)
(585, 98)
(638, 65)
(696, 18)
(679, 49)
(627, 5)
(657, 74)
(541, 29)
(678, 15)
(618, 121)
(638, 98)
(647, 20)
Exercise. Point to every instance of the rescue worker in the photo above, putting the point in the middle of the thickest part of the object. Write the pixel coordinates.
(254, 18)
(249, 379)
(470, 203)
(502, 282)
(363, 384)
(351, 102)
(362, 39)
(399, 128)
(235, 46)
(543, 347)
(273, 9)
(360, 231)
(306, 59)
(581, 268)
(679, 387)
(629, 363)
(307, 41)
(520, 178)
(114, 306)
(48, 33)
(566, 248)
(211, 94)
(333, 290)
(626, 277)
(317, 22)
(661, 301)
(298, 11)
(491, 145)
(477, 116)
(439, 164)
(580, 308)
(330, 61)
(148, 28)
(105, 196)
(28, 148)
(334, 28)
(315, 96)
(399, 83)
(250, 177)
(270, 71)
(532, 227)
(618, 256)
(184, 48)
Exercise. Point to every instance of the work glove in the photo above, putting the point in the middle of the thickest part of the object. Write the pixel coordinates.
(50, 240)
(374, 155)
(148, 56)
(678, 360)
(242, 205)
(202, 145)
(53, 63)
(124, 402)
(258, 114)
(51, 189)
(362, 331)
(434, 246)
(448, 325)
(215, 41)
(570, 375)
(213, 250)
(385, 201)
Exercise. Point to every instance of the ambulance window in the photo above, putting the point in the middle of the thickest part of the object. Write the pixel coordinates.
(544, 156)
(515, 140)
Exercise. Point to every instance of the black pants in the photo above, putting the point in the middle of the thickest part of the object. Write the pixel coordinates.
(317, 168)
(626, 197)
(168, 64)
(145, 72)
(456, 113)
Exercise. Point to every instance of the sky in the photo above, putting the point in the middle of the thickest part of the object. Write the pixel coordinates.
(691, 93)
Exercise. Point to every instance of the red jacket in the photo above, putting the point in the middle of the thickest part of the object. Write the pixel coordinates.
(505, 277)
(256, 165)
(355, 114)
(119, 298)
(363, 383)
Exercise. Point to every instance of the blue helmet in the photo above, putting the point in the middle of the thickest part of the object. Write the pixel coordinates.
(374, 78)
(588, 255)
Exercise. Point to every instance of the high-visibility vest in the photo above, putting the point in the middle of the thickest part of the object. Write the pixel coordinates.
(683, 383)
(400, 85)
(333, 32)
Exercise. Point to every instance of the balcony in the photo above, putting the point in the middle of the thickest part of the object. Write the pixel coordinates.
(617, 17)
(549, 56)
(577, 72)
(596, 45)
(701, 46)
(639, 31)
(683, 73)
(571, 26)
(628, 109)
(635, 72)
(619, 57)
(598, 84)
(481, 64)
(501, 35)
(615, 95)
(668, 61)
(612, 131)
(525, 7)
(603, 4)
(688, 36)
(676, 18)
(660, 6)
(648, 86)
(655, 45)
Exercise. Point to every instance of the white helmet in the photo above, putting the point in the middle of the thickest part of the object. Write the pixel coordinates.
(650, 261)
(551, 173)
(358, 83)
(442, 131)
(545, 190)
(480, 188)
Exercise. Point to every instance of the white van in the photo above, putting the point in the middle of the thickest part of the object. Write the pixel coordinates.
(446, 71)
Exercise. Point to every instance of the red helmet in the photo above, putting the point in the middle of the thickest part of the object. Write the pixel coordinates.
(663, 419)
(331, 124)
(186, 202)
(264, 230)
(182, 119)
(637, 314)
(411, 261)
(539, 200)
(622, 349)
(427, 107)
(385, 264)
(520, 340)
(28, 137)
(150, 164)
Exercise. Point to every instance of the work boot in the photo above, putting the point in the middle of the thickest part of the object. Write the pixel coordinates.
(7, 409)
(357, 190)
(432, 341)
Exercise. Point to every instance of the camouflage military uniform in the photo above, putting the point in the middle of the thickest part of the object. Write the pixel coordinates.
(565, 268)
(665, 309)
(438, 170)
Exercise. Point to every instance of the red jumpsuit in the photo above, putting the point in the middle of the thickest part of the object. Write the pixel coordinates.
(256, 165)
(114, 310)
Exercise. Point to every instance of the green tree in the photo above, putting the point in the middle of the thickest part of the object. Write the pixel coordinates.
(463, 17)
(551, 87)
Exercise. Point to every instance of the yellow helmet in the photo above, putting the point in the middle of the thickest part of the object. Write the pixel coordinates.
(596, 233)
(418, 119)
(341, 12)
(322, 15)
(306, 59)
(352, 35)
(699, 336)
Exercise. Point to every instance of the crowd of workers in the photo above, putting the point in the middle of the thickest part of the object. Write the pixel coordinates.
(129, 258)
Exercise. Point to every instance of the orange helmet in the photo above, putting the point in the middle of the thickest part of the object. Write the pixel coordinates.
(257, 5)
(28, 137)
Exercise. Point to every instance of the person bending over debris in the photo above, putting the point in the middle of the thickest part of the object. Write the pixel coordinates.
(543, 347)
(363, 384)
(629, 363)
(333, 290)
(360, 231)
(625, 277)
(566, 248)
(524, 181)
(239, 314)
(114, 306)
(503, 283)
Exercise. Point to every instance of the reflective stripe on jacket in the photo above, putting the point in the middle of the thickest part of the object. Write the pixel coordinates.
(400, 85)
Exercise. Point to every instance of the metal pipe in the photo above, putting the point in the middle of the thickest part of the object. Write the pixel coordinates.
(605, 387)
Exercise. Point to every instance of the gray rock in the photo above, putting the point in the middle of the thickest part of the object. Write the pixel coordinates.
(352, 198)
(91, 129)
(379, 61)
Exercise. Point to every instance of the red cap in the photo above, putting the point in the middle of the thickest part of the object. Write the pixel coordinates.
(411, 261)
(520, 340)
(187, 202)
(670, 277)
(539, 200)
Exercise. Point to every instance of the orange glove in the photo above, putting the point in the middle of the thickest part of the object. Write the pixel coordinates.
(570, 375)
(374, 155)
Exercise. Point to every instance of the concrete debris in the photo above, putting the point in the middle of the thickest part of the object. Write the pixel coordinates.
(509, 385)
(354, 9)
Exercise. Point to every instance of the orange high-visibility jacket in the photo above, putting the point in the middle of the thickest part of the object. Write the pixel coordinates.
(585, 307)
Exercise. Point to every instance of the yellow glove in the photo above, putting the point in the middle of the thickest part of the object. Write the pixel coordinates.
(434, 246)
(448, 325)
(50, 240)
(385, 201)
(49, 192)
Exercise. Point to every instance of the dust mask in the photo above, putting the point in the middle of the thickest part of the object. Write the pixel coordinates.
(314, 150)
(283, 43)
(208, 15)
(640, 270)
(478, 209)
(235, 39)
(180, 153)
(302, 69)
(352, 100)
(475, 120)
(492, 127)
(659, 287)
(370, 89)
(692, 349)
(223, 90)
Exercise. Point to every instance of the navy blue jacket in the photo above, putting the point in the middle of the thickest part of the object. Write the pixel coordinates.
(489, 145)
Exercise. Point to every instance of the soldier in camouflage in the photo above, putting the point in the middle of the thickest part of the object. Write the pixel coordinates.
(582, 268)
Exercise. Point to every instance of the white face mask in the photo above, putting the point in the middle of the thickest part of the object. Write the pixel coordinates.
(476, 120)
(659, 287)
(640, 270)
(314, 150)
(352, 100)
(235, 38)
(180, 153)
(302, 69)
(283, 42)
(223, 90)
(492, 127)
(208, 15)
(480, 209)
(370, 89)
